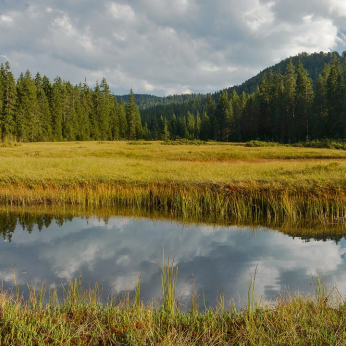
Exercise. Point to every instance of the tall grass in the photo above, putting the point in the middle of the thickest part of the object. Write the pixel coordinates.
(252, 201)
(79, 318)
(168, 283)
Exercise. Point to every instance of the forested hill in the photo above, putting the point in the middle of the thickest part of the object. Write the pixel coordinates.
(153, 107)
(303, 97)
(145, 101)
(313, 63)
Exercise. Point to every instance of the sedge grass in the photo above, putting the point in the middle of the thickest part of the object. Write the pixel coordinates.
(221, 179)
(80, 318)
(242, 202)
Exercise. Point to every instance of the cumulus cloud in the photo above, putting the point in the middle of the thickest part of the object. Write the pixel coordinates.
(165, 46)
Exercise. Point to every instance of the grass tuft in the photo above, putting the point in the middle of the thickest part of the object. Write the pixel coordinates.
(79, 318)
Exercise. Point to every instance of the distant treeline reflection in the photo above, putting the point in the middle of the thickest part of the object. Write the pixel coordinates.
(31, 218)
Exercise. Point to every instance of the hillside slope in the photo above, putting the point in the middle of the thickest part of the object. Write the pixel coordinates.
(313, 63)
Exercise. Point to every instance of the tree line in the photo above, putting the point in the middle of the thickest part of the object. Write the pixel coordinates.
(35, 109)
(285, 107)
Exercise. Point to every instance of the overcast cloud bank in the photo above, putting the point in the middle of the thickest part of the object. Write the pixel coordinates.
(165, 46)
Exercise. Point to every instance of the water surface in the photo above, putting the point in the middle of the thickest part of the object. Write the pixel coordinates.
(117, 252)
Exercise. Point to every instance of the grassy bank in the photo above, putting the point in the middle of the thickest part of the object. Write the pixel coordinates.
(31, 217)
(230, 180)
(80, 319)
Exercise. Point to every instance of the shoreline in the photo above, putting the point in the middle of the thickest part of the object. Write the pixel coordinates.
(79, 318)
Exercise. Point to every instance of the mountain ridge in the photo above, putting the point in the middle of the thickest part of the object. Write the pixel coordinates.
(313, 63)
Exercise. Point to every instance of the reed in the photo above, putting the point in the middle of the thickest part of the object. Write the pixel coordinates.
(80, 318)
(250, 202)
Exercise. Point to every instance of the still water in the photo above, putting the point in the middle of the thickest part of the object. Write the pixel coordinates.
(218, 259)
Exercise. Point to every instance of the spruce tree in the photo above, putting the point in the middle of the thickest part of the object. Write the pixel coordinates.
(205, 127)
(56, 109)
(69, 121)
(198, 126)
(114, 119)
(182, 128)
(85, 111)
(138, 121)
(133, 118)
(165, 131)
(146, 132)
(190, 124)
(210, 109)
(224, 117)
(237, 112)
(304, 100)
(335, 99)
(105, 107)
(95, 114)
(9, 103)
(264, 108)
(123, 127)
(2, 90)
(174, 126)
(290, 81)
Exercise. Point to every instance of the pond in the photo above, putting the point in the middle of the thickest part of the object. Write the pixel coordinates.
(116, 252)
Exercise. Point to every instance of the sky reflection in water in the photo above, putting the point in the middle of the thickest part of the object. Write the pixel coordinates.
(216, 258)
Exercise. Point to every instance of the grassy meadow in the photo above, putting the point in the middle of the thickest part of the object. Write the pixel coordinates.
(232, 180)
(212, 182)
(151, 162)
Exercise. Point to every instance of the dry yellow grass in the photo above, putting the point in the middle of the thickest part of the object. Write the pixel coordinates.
(86, 162)
(227, 179)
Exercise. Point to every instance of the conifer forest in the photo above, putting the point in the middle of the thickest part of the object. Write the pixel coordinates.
(287, 105)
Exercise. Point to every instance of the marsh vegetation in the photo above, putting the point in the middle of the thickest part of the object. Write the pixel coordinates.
(228, 180)
(80, 318)
(298, 191)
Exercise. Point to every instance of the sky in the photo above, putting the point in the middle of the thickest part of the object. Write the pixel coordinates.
(164, 47)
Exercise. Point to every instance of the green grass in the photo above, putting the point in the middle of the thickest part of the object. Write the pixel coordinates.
(230, 180)
(79, 318)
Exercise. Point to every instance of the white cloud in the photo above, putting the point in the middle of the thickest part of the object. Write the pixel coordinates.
(122, 12)
(209, 67)
(308, 18)
(260, 16)
(165, 46)
(319, 33)
(64, 24)
(148, 87)
(338, 7)
(6, 19)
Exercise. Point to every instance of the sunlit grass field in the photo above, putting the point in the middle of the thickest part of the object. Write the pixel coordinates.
(147, 162)
(218, 178)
